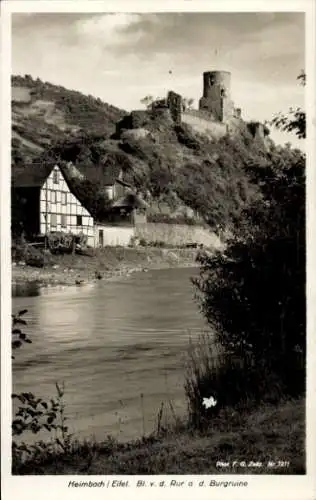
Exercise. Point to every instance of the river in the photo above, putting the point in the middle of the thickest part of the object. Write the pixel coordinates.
(119, 347)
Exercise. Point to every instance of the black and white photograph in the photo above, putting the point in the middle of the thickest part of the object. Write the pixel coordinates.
(157, 248)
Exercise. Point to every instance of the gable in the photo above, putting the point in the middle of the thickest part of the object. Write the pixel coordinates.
(57, 181)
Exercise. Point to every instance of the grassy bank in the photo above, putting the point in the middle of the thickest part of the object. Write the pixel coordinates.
(267, 433)
(106, 263)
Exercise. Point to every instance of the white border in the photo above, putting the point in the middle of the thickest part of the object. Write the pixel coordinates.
(54, 487)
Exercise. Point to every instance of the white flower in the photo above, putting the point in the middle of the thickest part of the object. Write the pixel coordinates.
(209, 402)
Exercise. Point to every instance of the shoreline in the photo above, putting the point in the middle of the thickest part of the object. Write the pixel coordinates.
(108, 264)
(179, 449)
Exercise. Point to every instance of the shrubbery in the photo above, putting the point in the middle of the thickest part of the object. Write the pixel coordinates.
(253, 294)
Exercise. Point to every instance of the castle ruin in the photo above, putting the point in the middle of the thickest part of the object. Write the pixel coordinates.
(215, 117)
(216, 97)
(215, 104)
(217, 114)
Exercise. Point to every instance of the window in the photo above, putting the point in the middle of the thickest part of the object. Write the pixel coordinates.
(53, 221)
(64, 198)
(55, 177)
(63, 220)
(54, 197)
(79, 220)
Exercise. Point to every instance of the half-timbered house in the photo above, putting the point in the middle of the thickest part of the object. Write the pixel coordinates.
(44, 201)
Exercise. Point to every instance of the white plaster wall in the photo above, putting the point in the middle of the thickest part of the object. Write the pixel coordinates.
(70, 210)
(114, 235)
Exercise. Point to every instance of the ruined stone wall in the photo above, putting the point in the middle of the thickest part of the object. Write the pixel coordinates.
(174, 102)
(202, 123)
(176, 234)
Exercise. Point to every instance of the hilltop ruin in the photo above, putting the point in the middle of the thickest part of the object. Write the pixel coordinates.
(215, 117)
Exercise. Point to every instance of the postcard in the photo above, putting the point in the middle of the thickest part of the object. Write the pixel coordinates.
(157, 260)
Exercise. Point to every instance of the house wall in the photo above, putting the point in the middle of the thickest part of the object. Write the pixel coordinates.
(176, 234)
(109, 191)
(114, 235)
(51, 198)
(115, 191)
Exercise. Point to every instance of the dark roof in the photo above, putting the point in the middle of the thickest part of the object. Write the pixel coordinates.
(31, 175)
(130, 200)
(123, 183)
(35, 175)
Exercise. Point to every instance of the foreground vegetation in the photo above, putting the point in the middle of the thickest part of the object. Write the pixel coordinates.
(271, 433)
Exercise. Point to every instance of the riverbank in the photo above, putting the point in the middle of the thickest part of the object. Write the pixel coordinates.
(106, 263)
(269, 439)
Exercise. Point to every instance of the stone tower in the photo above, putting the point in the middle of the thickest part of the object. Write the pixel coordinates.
(216, 95)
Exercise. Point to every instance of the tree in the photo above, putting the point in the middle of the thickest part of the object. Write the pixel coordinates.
(188, 102)
(147, 100)
(253, 294)
(295, 120)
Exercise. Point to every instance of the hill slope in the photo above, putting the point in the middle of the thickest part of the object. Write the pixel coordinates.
(43, 113)
(178, 171)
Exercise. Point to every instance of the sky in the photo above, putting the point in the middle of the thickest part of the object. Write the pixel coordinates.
(123, 57)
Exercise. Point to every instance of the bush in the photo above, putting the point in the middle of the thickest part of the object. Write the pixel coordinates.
(29, 254)
(254, 294)
(34, 257)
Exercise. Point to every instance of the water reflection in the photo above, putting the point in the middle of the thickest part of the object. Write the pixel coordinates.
(110, 342)
(31, 289)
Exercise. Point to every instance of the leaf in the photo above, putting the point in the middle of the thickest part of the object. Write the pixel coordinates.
(44, 404)
(28, 341)
(20, 321)
(16, 344)
(59, 390)
(22, 336)
(31, 412)
(21, 313)
(16, 331)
